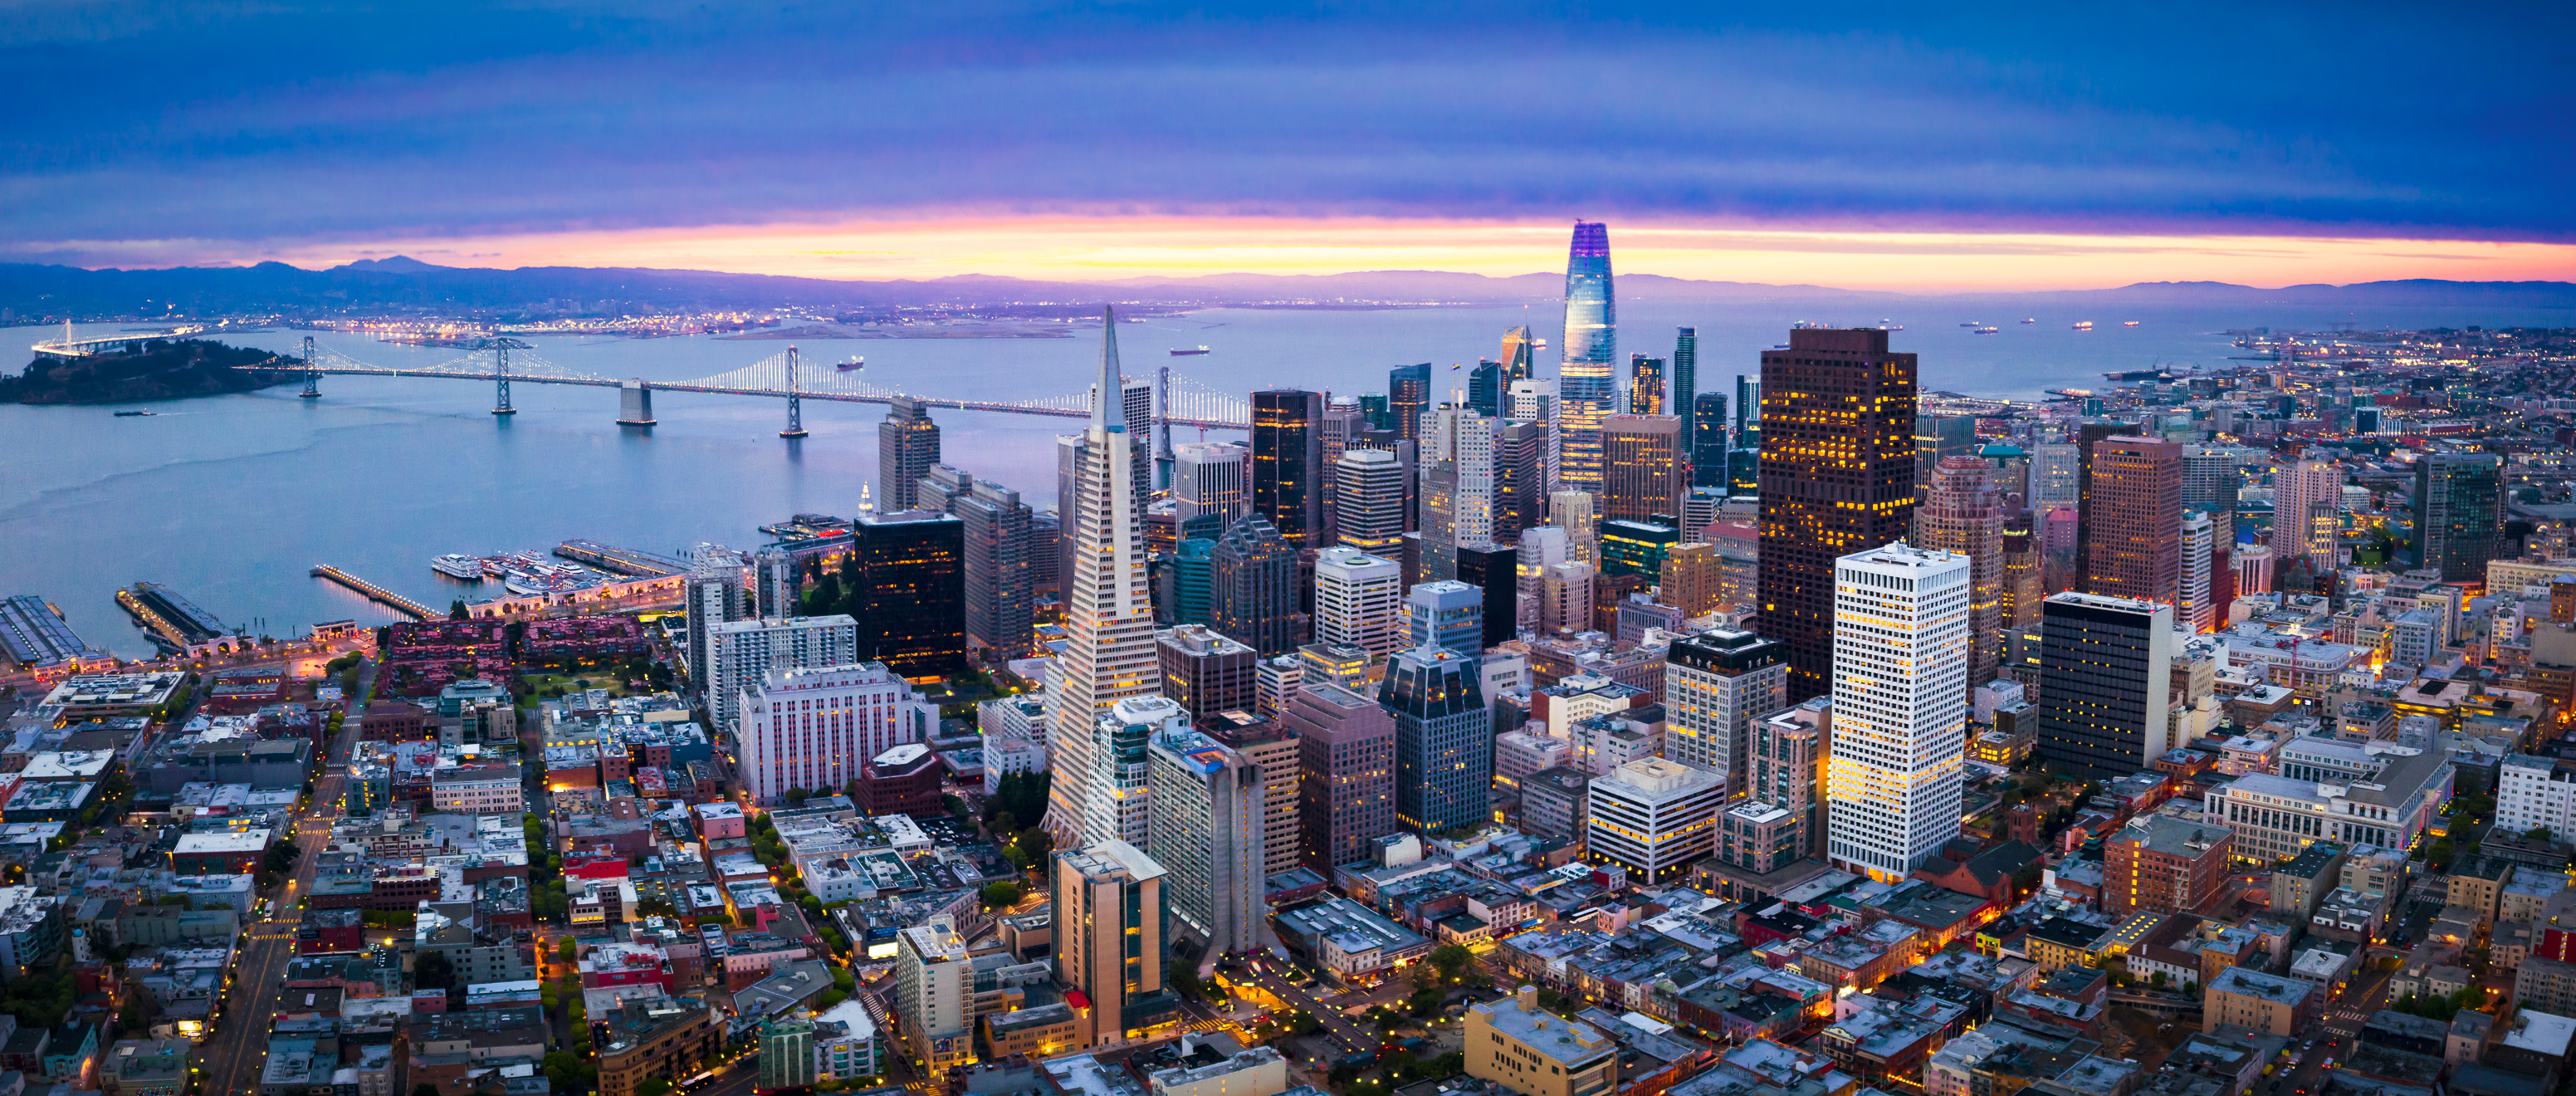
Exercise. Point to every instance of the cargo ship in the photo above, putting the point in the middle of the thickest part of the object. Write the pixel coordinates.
(853, 363)
(2128, 323)
(1988, 330)
(2084, 325)
(1189, 353)
(132, 414)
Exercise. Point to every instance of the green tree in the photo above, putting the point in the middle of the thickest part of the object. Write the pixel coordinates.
(1452, 960)
(653, 1086)
(1000, 894)
(2538, 834)
(456, 610)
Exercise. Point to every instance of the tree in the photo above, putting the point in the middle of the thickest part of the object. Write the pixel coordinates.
(1452, 959)
(2538, 835)
(456, 610)
(653, 1086)
(1000, 894)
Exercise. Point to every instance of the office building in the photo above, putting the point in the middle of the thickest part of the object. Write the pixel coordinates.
(1493, 570)
(1938, 438)
(1359, 601)
(1962, 513)
(1837, 477)
(1513, 1044)
(1520, 478)
(1653, 817)
(907, 449)
(2025, 574)
(2162, 864)
(1340, 434)
(1587, 386)
(1785, 767)
(1636, 546)
(1565, 598)
(2105, 671)
(1578, 514)
(1686, 384)
(1485, 385)
(1192, 593)
(1520, 354)
(1346, 790)
(998, 547)
(1715, 684)
(1444, 739)
(2135, 524)
(1369, 500)
(815, 727)
(1408, 395)
(1643, 474)
(1449, 615)
(1204, 671)
(1120, 799)
(1692, 579)
(1288, 464)
(1540, 548)
(910, 591)
(1900, 710)
(1748, 408)
(1337, 663)
(2459, 514)
(2307, 502)
(776, 580)
(1206, 832)
(933, 981)
(715, 595)
(1211, 478)
(1108, 903)
(1534, 400)
(1277, 750)
(1109, 617)
(1253, 594)
(1709, 441)
(2195, 609)
(1458, 494)
(1645, 385)
(740, 651)
(2253, 565)
(2209, 480)
(2053, 470)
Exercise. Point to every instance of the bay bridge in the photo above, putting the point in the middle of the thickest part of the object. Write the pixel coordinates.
(1178, 401)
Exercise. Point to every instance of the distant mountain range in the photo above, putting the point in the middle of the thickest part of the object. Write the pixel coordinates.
(41, 291)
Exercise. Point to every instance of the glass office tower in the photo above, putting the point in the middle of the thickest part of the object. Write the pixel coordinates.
(1587, 381)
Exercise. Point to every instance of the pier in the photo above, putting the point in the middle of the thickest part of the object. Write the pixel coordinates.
(375, 593)
(624, 561)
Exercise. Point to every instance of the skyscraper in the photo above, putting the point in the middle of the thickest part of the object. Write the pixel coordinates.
(2307, 501)
(1109, 617)
(1900, 696)
(1458, 493)
(1936, 438)
(1837, 477)
(1587, 385)
(1693, 579)
(1449, 615)
(1520, 355)
(715, 596)
(1204, 671)
(2053, 471)
(1786, 751)
(1193, 571)
(1444, 739)
(1708, 438)
(2105, 667)
(1565, 598)
(1408, 395)
(911, 592)
(2459, 513)
(1485, 385)
(1359, 600)
(1369, 500)
(1206, 831)
(1715, 684)
(1346, 794)
(1210, 478)
(1963, 513)
(1493, 570)
(2194, 611)
(1686, 382)
(1288, 465)
(1254, 588)
(1642, 474)
(1109, 945)
(1520, 478)
(1645, 385)
(2209, 480)
(1340, 434)
(998, 550)
(1541, 547)
(907, 447)
(933, 982)
(2023, 574)
(1748, 409)
(1578, 513)
(2136, 546)
(1121, 801)
(2087, 435)
(740, 651)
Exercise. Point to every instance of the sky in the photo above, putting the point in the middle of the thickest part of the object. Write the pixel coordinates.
(1861, 145)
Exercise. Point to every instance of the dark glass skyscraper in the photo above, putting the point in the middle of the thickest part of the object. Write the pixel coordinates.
(2105, 665)
(2459, 513)
(911, 568)
(1645, 385)
(1685, 370)
(1587, 385)
(1520, 356)
(1706, 429)
(1485, 385)
(1837, 477)
(1287, 464)
(1444, 739)
(1493, 568)
(1408, 395)
(1254, 587)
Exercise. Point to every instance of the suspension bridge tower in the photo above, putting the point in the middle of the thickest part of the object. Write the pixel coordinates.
(501, 378)
(795, 409)
(1164, 458)
(312, 372)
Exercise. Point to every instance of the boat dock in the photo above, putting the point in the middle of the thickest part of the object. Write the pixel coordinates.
(375, 593)
(175, 619)
(624, 561)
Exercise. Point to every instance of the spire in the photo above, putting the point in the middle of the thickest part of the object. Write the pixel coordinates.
(1109, 400)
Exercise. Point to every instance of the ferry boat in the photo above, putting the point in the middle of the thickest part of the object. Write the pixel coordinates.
(457, 566)
(1971, 323)
(853, 363)
(2031, 320)
(1988, 330)
(2084, 325)
(1189, 353)
(132, 414)
(2128, 323)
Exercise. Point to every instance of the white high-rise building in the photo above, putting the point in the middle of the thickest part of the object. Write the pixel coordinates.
(1458, 487)
(813, 727)
(715, 596)
(1121, 796)
(1542, 547)
(1715, 684)
(1368, 500)
(2307, 499)
(1579, 514)
(1207, 830)
(2194, 611)
(2054, 473)
(739, 652)
(1109, 617)
(1210, 478)
(934, 982)
(1359, 600)
(1653, 817)
(1900, 708)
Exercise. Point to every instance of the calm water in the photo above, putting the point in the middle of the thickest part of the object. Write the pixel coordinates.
(232, 500)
